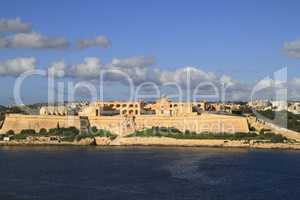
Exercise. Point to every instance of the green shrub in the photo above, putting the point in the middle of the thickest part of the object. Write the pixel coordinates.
(21, 136)
(10, 132)
(28, 132)
(94, 129)
(98, 133)
(156, 132)
(43, 131)
(277, 139)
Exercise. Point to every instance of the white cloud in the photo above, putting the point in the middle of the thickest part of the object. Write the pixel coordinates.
(16, 66)
(133, 62)
(137, 68)
(181, 75)
(89, 68)
(141, 69)
(292, 48)
(296, 81)
(57, 68)
(294, 88)
(100, 41)
(33, 40)
(227, 81)
(14, 25)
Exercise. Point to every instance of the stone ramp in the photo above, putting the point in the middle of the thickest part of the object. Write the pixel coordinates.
(283, 131)
(260, 124)
(116, 141)
(1, 124)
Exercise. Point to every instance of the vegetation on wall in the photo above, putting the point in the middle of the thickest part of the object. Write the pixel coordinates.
(65, 134)
(175, 133)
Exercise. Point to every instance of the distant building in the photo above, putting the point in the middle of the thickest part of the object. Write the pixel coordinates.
(279, 105)
(54, 110)
(294, 107)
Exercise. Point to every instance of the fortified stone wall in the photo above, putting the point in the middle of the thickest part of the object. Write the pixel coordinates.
(200, 123)
(203, 123)
(18, 122)
(121, 125)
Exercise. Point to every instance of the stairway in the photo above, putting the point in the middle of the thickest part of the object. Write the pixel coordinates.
(84, 124)
(128, 124)
(116, 141)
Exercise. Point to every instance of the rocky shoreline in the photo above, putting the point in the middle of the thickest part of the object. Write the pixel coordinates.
(83, 142)
(163, 141)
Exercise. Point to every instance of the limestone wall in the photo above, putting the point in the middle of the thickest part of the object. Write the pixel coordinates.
(199, 123)
(122, 126)
(115, 124)
(18, 122)
(202, 123)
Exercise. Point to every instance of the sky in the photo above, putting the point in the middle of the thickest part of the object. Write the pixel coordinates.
(242, 40)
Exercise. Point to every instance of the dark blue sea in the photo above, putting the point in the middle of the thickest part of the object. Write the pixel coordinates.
(70, 173)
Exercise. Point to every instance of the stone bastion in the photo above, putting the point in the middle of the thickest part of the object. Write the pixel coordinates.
(207, 122)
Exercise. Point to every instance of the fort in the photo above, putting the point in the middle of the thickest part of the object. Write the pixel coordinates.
(123, 118)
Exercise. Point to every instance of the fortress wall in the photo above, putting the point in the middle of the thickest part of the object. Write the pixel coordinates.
(201, 123)
(114, 124)
(18, 122)
(120, 125)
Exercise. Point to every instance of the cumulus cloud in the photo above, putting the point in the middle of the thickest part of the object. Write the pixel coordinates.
(294, 88)
(186, 75)
(16, 66)
(100, 41)
(292, 48)
(132, 62)
(142, 69)
(33, 40)
(14, 25)
(88, 69)
(57, 68)
(137, 68)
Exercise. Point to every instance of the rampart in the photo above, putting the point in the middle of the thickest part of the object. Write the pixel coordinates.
(120, 125)
(18, 122)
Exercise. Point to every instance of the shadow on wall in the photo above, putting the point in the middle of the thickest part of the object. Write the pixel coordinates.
(2, 118)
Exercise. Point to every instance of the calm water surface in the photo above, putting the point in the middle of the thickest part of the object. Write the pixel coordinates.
(60, 173)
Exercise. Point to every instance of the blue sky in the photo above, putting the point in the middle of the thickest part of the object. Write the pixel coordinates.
(243, 39)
